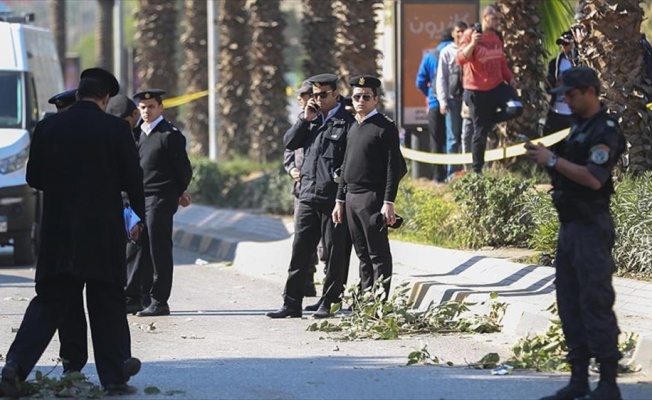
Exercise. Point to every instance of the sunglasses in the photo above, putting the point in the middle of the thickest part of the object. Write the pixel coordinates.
(321, 95)
(365, 97)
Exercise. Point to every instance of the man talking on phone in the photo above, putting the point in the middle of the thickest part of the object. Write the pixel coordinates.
(321, 131)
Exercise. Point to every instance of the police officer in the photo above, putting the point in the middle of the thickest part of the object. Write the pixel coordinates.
(582, 186)
(166, 175)
(63, 100)
(372, 169)
(321, 130)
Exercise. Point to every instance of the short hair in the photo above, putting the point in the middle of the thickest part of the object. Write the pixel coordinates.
(490, 9)
(92, 88)
(462, 25)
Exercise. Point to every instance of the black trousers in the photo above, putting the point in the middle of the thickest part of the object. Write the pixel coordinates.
(55, 299)
(483, 106)
(370, 240)
(556, 122)
(150, 264)
(585, 294)
(437, 129)
(73, 341)
(312, 222)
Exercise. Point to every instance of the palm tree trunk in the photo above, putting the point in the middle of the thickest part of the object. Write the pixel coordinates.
(612, 48)
(104, 35)
(269, 120)
(58, 28)
(234, 72)
(195, 74)
(318, 37)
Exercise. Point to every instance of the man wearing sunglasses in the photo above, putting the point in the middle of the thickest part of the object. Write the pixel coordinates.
(321, 131)
(373, 167)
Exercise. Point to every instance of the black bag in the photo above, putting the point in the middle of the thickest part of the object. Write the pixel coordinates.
(511, 106)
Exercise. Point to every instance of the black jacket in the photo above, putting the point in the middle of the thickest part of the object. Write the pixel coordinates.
(82, 159)
(323, 149)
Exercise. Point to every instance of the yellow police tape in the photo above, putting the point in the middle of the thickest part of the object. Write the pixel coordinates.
(489, 155)
(186, 98)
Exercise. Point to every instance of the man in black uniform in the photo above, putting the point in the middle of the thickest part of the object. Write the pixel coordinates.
(582, 186)
(63, 100)
(166, 175)
(321, 130)
(81, 159)
(372, 169)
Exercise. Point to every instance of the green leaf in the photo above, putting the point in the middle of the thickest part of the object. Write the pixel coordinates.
(152, 390)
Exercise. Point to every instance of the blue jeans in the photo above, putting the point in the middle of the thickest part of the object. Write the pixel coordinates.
(454, 131)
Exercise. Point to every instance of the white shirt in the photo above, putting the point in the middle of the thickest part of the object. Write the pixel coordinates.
(366, 117)
(447, 63)
(148, 128)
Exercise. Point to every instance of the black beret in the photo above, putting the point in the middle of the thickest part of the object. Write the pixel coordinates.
(120, 106)
(306, 87)
(147, 94)
(64, 99)
(365, 81)
(103, 76)
(323, 79)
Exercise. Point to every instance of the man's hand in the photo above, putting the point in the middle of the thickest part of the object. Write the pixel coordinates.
(475, 38)
(443, 108)
(184, 200)
(538, 153)
(310, 112)
(338, 213)
(295, 173)
(134, 233)
(388, 213)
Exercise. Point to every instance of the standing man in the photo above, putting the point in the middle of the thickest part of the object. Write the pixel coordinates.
(426, 78)
(449, 94)
(582, 187)
(373, 167)
(166, 175)
(559, 114)
(482, 58)
(321, 130)
(123, 107)
(81, 159)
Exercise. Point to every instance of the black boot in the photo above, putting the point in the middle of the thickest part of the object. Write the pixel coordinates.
(578, 385)
(314, 307)
(309, 289)
(607, 388)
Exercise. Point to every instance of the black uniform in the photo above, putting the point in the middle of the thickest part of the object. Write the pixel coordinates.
(371, 172)
(324, 145)
(166, 175)
(81, 174)
(584, 264)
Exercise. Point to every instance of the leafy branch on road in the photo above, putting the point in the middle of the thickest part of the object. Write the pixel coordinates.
(374, 317)
(73, 385)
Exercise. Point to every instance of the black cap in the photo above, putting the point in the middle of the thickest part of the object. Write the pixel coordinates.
(103, 76)
(323, 79)
(64, 99)
(305, 88)
(365, 81)
(565, 38)
(147, 94)
(120, 106)
(577, 77)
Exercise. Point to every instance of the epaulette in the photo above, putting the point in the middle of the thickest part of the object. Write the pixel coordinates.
(388, 118)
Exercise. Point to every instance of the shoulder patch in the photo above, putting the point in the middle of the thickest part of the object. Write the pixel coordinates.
(599, 154)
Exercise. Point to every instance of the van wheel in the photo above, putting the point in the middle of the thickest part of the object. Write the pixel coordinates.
(24, 249)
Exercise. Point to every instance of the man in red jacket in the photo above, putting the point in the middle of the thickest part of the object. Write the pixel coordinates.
(485, 73)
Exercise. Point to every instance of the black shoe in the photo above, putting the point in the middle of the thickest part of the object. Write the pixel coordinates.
(571, 391)
(119, 389)
(324, 311)
(285, 312)
(133, 308)
(604, 391)
(154, 311)
(130, 368)
(314, 307)
(10, 383)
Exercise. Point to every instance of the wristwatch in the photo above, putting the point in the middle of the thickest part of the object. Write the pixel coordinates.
(552, 161)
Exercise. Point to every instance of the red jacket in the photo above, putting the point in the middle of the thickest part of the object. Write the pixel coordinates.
(487, 67)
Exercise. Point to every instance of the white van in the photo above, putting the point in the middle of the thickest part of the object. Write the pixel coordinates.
(30, 74)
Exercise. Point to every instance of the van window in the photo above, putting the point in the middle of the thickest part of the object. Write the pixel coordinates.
(11, 100)
(31, 105)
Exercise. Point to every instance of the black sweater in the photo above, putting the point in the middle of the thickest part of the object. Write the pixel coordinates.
(163, 158)
(373, 158)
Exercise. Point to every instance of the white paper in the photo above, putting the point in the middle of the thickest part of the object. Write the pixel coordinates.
(131, 219)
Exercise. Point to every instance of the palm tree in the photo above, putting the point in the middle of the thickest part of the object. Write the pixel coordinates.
(155, 59)
(234, 79)
(268, 121)
(58, 27)
(612, 48)
(104, 35)
(195, 73)
(318, 37)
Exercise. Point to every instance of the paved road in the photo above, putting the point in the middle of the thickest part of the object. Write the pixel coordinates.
(218, 345)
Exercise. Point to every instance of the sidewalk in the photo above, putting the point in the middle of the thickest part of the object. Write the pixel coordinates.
(259, 245)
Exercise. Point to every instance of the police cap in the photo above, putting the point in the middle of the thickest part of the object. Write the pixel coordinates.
(64, 99)
(103, 76)
(365, 81)
(120, 106)
(147, 94)
(324, 79)
(305, 88)
(578, 77)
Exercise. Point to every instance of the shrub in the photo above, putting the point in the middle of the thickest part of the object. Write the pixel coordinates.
(544, 221)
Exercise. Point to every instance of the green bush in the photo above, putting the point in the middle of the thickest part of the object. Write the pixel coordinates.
(492, 210)
(545, 223)
(278, 198)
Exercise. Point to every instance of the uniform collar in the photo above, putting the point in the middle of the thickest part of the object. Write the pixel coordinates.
(148, 128)
(366, 117)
